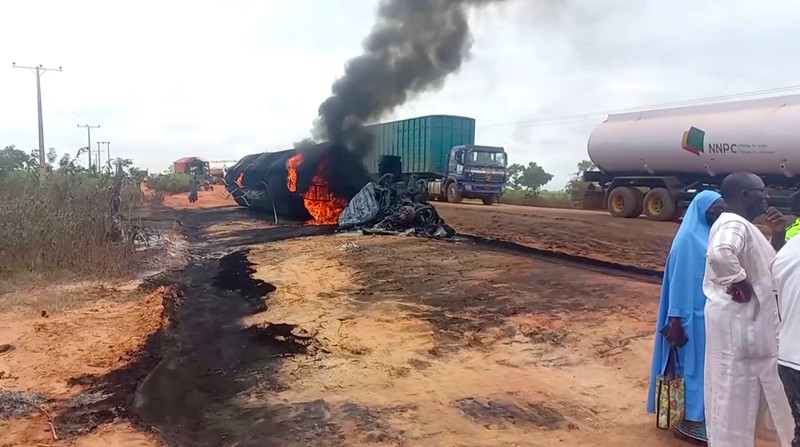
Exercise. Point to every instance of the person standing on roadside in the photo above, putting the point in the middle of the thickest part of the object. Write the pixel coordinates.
(680, 312)
(786, 271)
(741, 365)
(193, 187)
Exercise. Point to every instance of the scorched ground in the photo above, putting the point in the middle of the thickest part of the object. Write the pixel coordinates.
(339, 340)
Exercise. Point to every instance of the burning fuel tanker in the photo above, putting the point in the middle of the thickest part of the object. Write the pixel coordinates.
(313, 183)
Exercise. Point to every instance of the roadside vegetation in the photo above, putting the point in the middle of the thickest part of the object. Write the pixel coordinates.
(546, 199)
(169, 183)
(65, 228)
(525, 183)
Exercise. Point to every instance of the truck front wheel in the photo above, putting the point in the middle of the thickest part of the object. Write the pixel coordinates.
(453, 196)
(625, 201)
(491, 200)
(659, 205)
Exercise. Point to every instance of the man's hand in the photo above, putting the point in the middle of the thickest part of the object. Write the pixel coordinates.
(776, 221)
(741, 292)
(675, 335)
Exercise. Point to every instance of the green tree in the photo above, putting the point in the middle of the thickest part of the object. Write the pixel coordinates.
(64, 162)
(576, 187)
(13, 159)
(528, 178)
(123, 162)
(514, 172)
(138, 175)
(52, 156)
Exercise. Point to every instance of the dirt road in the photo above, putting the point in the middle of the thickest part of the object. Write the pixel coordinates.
(594, 234)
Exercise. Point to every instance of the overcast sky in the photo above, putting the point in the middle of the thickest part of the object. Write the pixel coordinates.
(221, 79)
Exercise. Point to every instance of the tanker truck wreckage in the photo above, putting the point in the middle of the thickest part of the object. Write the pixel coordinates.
(326, 184)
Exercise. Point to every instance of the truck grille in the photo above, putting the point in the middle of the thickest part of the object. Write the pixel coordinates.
(494, 178)
(487, 177)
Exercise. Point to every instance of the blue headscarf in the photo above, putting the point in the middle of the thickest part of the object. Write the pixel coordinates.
(694, 230)
(682, 296)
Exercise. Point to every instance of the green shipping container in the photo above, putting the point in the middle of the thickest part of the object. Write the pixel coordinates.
(423, 143)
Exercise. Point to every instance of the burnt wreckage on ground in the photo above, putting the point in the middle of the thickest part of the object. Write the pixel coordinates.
(326, 184)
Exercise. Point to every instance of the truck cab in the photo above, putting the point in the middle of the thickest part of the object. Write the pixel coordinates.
(473, 172)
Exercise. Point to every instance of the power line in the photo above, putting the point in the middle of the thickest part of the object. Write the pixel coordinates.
(40, 71)
(575, 118)
(89, 136)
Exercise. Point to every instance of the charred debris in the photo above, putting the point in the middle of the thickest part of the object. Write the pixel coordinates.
(326, 184)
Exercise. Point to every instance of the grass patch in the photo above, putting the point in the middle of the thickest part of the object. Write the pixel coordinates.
(548, 199)
(64, 228)
(170, 183)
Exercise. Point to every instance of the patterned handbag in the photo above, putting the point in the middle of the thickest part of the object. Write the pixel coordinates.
(670, 394)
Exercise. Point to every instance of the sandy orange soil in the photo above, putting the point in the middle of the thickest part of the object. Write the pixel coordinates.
(343, 340)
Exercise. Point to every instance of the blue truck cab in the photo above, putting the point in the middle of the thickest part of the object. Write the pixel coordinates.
(473, 172)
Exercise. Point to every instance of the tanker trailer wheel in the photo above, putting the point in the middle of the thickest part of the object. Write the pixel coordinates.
(453, 196)
(659, 205)
(625, 201)
(240, 201)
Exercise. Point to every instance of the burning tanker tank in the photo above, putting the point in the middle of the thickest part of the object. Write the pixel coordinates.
(313, 183)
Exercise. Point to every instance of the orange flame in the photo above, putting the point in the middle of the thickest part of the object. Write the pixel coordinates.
(240, 180)
(291, 172)
(323, 206)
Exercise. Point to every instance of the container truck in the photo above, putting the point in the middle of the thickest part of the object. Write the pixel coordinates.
(656, 161)
(442, 150)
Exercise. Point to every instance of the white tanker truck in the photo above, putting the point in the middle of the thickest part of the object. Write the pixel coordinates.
(656, 161)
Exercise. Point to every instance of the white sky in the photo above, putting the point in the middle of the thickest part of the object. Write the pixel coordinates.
(221, 79)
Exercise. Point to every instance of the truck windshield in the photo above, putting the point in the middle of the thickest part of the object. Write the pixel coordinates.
(484, 158)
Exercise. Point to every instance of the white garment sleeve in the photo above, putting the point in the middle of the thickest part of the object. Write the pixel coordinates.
(724, 248)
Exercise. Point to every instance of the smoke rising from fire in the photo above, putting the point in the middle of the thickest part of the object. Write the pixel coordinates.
(412, 48)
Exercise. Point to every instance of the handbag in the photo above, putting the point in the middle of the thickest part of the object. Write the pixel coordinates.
(670, 392)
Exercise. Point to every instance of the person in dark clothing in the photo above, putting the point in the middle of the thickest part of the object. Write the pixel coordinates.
(786, 272)
(193, 187)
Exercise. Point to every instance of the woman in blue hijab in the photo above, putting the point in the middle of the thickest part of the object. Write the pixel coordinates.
(681, 322)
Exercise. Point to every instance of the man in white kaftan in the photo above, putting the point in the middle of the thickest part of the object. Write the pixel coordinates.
(741, 366)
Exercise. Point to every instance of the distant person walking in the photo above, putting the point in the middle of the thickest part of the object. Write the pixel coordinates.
(742, 385)
(680, 321)
(193, 187)
(786, 271)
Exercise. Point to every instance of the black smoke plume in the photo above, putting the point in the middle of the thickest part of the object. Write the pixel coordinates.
(413, 47)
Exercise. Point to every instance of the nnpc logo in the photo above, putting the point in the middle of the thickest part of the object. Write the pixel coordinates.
(693, 140)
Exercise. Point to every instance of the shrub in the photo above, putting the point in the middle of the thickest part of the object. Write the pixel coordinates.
(170, 183)
(62, 227)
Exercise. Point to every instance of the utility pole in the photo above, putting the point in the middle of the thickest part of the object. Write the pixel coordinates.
(40, 70)
(97, 160)
(89, 136)
(108, 152)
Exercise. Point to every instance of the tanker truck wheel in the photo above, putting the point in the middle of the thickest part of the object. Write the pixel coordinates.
(625, 201)
(659, 205)
(240, 201)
